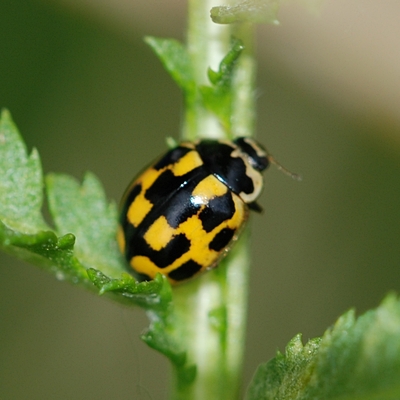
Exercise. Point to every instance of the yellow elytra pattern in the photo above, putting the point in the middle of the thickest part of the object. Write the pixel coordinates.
(160, 233)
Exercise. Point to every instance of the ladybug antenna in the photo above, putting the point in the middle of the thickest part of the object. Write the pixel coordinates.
(280, 167)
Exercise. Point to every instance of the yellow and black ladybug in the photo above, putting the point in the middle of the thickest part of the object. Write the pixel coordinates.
(181, 215)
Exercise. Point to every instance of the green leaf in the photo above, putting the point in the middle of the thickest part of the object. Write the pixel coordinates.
(89, 255)
(253, 11)
(176, 60)
(223, 77)
(355, 359)
(23, 232)
(81, 214)
(218, 97)
(46, 250)
(85, 211)
(21, 182)
(153, 295)
(161, 336)
(156, 297)
(158, 338)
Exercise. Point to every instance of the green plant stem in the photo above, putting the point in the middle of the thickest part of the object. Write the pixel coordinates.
(210, 312)
(207, 44)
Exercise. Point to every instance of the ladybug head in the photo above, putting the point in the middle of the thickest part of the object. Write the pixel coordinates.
(257, 155)
(259, 158)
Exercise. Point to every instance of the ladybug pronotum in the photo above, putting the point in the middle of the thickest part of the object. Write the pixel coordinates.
(182, 214)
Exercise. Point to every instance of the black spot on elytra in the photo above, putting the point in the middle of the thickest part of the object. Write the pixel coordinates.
(218, 160)
(218, 210)
(172, 195)
(175, 248)
(185, 271)
(164, 187)
(171, 157)
(221, 239)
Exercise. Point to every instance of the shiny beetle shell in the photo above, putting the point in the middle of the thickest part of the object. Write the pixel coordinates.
(182, 214)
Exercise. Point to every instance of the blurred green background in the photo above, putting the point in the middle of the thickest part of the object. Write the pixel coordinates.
(90, 95)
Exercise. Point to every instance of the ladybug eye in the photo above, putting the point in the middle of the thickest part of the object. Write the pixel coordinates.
(259, 163)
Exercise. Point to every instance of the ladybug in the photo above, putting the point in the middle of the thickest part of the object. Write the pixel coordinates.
(182, 214)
